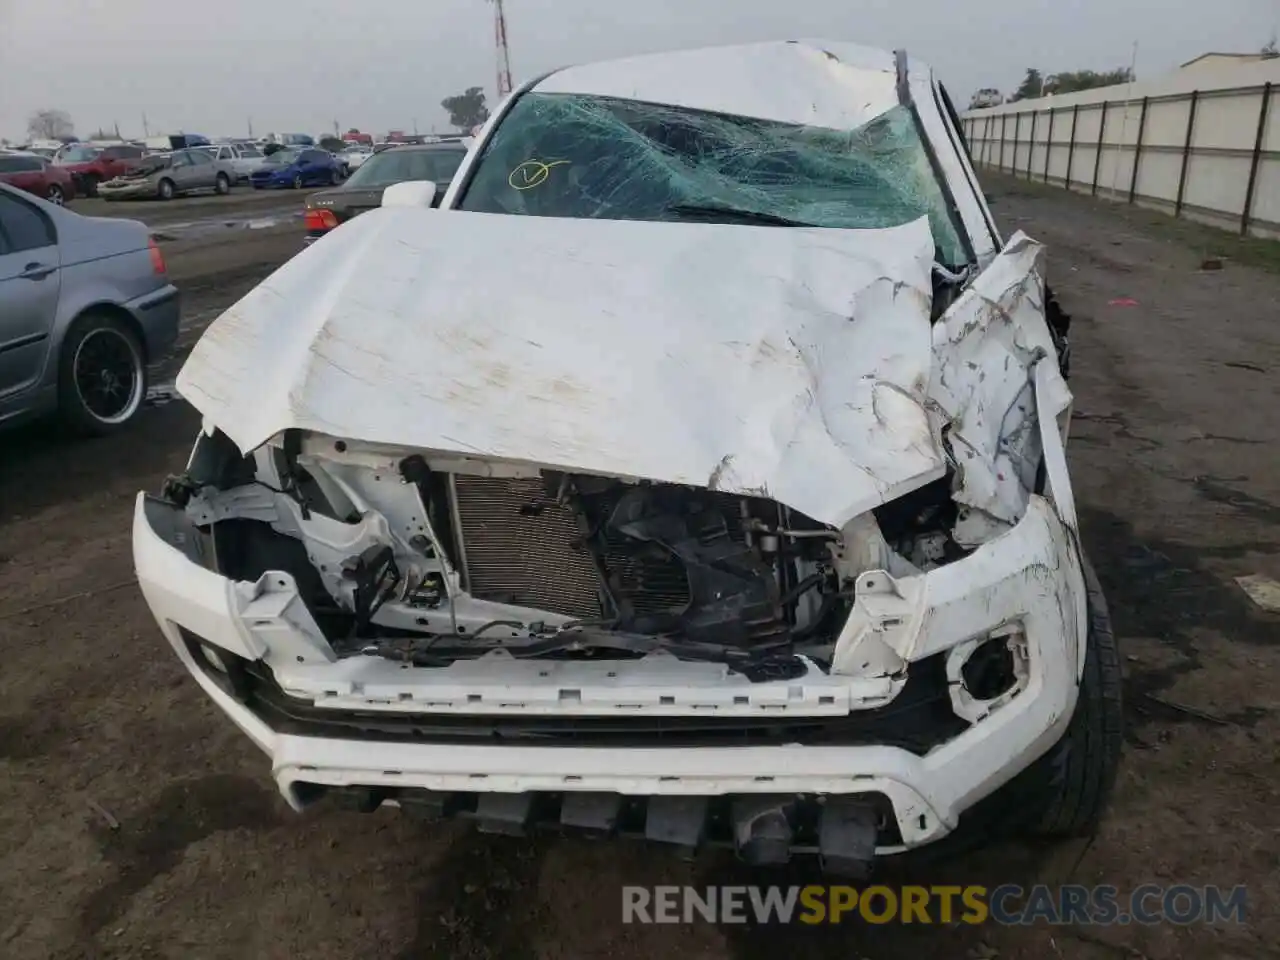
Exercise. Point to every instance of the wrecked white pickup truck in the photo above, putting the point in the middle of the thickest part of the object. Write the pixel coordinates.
(695, 472)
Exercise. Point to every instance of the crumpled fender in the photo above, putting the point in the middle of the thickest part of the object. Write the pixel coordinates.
(983, 388)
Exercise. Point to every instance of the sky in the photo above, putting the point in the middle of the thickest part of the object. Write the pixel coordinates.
(215, 66)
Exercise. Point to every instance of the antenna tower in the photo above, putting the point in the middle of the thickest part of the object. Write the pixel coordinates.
(504, 54)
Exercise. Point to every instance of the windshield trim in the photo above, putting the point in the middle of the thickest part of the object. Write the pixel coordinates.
(953, 209)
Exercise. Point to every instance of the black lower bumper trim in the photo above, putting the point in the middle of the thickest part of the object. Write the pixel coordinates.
(844, 830)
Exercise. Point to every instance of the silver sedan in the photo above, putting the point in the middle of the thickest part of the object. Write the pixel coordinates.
(85, 306)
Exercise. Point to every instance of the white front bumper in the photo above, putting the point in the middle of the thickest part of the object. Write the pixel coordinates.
(1030, 575)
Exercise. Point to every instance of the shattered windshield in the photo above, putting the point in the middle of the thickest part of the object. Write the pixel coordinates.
(570, 155)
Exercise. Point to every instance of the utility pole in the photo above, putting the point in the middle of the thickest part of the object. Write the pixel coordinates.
(504, 53)
(1124, 121)
(250, 121)
(146, 130)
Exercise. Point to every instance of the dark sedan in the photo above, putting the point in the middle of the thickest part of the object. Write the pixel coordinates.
(329, 209)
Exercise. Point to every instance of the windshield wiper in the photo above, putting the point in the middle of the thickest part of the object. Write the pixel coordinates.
(734, 214)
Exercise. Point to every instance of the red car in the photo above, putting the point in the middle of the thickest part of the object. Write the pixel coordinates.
(90, 165)
(35, 174)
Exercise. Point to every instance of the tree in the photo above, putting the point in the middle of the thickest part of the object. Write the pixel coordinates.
(50, 125)
(1269, 50)
(1073, 81)
(1032, 86)
(466, 109)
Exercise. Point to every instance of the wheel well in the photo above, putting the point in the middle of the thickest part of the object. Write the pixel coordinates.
(119, 313)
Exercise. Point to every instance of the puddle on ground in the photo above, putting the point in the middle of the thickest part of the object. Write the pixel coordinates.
(212, 225)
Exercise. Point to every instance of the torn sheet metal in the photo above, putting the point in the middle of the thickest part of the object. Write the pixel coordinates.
(786, 363)
(985, 349)
(818, 83)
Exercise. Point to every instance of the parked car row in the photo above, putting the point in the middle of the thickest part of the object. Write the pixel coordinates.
(218, 167)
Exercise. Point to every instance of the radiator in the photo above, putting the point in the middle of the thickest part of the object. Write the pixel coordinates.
(520, 546)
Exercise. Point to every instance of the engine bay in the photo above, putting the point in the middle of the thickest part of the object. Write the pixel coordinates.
(431, 562)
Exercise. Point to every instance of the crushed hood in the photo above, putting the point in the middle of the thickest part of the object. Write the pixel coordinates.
(778, 362)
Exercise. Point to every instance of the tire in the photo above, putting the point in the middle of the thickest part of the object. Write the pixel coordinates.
(1069, 788)
(297, 181)
(90, 186)
(102, 375)
(165, 189)
(222, 185)
(334, 178)
(55, 195)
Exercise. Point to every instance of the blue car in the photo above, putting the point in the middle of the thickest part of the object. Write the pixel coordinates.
(297, 167)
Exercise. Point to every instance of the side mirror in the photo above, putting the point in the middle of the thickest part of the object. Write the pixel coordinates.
(989, 199)
(411, 193)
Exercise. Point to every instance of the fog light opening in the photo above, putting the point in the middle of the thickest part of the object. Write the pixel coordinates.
(985, 673)
(989, 671)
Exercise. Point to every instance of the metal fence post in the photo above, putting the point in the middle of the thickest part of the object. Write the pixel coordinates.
(1257, 157)
(1017, 129)
(1071, 145)
(1186, 152)
(1137, 150)
(1097, 157)
(1004, 121)
(1031, 144)
(1048, 146)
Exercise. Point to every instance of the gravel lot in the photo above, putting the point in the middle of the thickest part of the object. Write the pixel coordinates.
(1173, 450)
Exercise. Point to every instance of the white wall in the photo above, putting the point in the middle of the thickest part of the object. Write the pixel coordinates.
(1150, 121)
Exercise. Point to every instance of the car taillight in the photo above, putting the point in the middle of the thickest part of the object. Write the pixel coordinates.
(321, 220)
(157, 258)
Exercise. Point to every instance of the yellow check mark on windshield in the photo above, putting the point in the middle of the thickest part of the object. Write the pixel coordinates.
(531, 173)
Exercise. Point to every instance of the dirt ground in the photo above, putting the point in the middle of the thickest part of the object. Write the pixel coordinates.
(135, 822)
